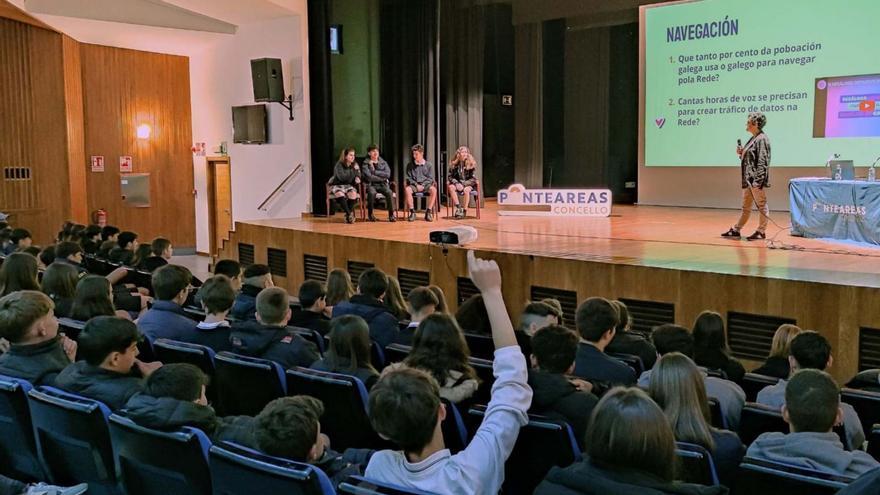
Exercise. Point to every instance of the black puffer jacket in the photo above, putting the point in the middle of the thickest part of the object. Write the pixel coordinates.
(584, 478)
(111, 388)
(555, 397)
(278, 344)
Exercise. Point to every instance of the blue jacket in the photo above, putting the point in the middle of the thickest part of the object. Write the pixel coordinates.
(166, 320)
(593, 365)
(383, 325)
(245, 305)
(277, 344)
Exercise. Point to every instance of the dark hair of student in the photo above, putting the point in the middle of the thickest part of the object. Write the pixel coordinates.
(92, 299)
(103, 335)
(812, 399)
(709, 332)
(59, 281)
(594, 317)
(288, 427)
(181, 381)
(169, 280)
(349, 340)
(230, 268)
(140, 254)
(439, 347)
(310, 292)
(811, 350)
(217, 294)
(159, 245)
(338, 287)
(442, 307)
(19, 272)
(404, 405)
(373, 282)
(67, 248)
(555, 348)
(473, 317)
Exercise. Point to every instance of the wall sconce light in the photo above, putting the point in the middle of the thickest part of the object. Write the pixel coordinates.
(143, 131)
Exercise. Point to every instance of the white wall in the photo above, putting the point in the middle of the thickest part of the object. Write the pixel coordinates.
(221, 78)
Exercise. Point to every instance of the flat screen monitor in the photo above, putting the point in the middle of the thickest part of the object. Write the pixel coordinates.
(250, 124)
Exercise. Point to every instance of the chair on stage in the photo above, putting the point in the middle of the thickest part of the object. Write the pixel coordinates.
(475, 193)
(359, 209)
(395, 200)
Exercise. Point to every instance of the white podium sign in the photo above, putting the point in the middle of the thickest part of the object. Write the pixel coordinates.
(516, 200)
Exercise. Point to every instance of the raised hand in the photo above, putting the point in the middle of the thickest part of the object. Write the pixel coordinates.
(484, 273)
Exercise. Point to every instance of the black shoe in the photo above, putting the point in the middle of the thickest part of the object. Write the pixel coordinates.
(732, 233)
(429, 216)
(756, 236)
(412, 216)
(349, 218)
(372, 218)
(392, 217)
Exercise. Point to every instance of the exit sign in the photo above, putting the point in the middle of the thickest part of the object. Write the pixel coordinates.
(507, 100)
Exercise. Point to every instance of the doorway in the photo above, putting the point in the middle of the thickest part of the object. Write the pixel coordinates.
(219, 201)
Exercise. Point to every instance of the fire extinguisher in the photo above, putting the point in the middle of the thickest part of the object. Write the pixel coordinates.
(99, 217)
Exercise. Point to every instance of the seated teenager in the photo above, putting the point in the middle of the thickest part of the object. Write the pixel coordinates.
(442, 305)
(440, 349)
(420, 179)
(232, 269)
(216, 296)
(19, 239)
(596, 320)
(18, 272)
(141, 253)
(627, 341)
(811, 409)
(461, 180)
(776, 364)
(268, 337)
(255, 279)
(339, 288)
(91, 239)
(59, 283)
(160, 255)
(420, 303)
(730, 396)
(37, 352)
(377, 174)
(710, 346)
(405, 408)
(105, 248)
(109, 370)
(630, 450)
(313, 304)
(472, 316)
(534, 317)
(367, 304)
(677, 387)
(345, 182)
(109, 233)
(94, 297)
(394, 299)
(349, 350)
(174, 396)
(46, 257)
(126, 244)
(166, 319)
(71, 253)
(557, 395)
(810, 350)
(290, 427)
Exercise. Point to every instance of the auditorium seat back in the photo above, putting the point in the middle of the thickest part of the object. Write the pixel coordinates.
(760, 476)
(71, 327)
(236, 470)
(345, 420)
(866, 404)
(874, 442)
(541, 444)
(717, 415)
(151, 462)
(310, 335)
(245, 384)
(695, 464)
(73, 439)
(173, 351)
(358, 485)
(630, 360)
(481, 346)
(395, 353)
(757, 419)
(18, 453)
(455, 434)
(754, 383)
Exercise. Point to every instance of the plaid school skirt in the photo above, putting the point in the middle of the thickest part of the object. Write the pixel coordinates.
(342, 188)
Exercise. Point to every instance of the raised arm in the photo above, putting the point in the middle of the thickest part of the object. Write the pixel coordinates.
(487, 277)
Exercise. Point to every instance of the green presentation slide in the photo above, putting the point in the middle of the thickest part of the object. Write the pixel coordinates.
(811, 66)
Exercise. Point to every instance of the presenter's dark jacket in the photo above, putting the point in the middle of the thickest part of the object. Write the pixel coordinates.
(344, 176)
(756, 162)
(422, 175)
(377, 173)
(458, 174)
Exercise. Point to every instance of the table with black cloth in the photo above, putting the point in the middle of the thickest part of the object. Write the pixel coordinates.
(835, 209)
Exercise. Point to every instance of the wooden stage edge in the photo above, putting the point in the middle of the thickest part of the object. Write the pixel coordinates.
(660, 254)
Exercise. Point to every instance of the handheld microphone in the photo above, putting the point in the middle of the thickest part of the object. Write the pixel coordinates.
(739, 142)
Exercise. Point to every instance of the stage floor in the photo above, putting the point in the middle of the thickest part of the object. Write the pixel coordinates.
(662, 237)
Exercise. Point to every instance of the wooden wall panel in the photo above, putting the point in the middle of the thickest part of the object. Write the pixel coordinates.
(76, 155)
(121, 90)
(33, 126)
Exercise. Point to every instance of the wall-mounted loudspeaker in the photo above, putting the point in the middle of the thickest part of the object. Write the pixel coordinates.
(268, 79)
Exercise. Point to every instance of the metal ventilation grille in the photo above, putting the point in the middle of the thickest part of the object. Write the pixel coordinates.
(277, 261)
(355, 268)
(648, 314)
(750, 336)
(466, 289)
(869, 348)
(245, 254)
(18, 189)
(568, 299)
(410, 279)
(315, 267)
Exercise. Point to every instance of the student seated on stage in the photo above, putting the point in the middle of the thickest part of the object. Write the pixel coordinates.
(109, 370)
(535, 316)
(596, 320)
(420, 179)
(674, 338)
(710, 346)
(811, 409)
(630, 450)
(810, 350)
(166, 319)
(255, 279)
(313, 304)
(405, 408)
(216, 296)
(19, 239)
(290, 427)
(439, 348)
(376, 174)
(776, 364)
(349, 350)
(557, 394)
(268, 337)
(37, 352)
(174, 397)
(367, 304)
(160, 255)
(126, 243)
(91, 239)
(232, 269)
(627, 341)
(420, 303)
